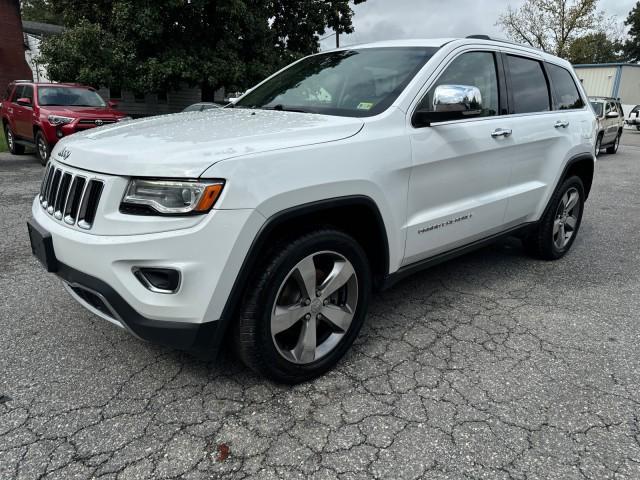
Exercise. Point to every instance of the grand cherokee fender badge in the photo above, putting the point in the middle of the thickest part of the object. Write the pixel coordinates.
(64, 153)
(451, 221)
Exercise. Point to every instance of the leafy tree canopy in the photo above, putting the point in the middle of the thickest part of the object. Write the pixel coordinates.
(632, 45)
(554, 25)
(595, 48)
(155, 46)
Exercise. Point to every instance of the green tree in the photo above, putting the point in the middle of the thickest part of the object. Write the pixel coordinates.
(632, 45)
(156, 46)
(553, 25)
(595, 48)
(40, 11)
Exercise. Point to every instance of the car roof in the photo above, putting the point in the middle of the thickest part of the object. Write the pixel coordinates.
(472, 39)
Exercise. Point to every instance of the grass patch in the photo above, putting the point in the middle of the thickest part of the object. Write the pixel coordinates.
(3, 143)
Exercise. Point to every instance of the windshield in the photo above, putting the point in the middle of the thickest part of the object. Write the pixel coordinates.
(597, 107)
(352, 83)
(69, 96)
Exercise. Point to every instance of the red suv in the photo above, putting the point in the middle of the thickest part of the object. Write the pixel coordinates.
(39, 114)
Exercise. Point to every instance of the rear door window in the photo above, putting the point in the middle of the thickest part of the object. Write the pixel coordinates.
(529, 86)
(568, 96)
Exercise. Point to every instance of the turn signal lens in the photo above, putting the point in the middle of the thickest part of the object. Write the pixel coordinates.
(208, 198)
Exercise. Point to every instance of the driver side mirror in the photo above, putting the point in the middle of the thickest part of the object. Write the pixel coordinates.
(613, 115)
(112, 104)
(25, 102)
(450, 102)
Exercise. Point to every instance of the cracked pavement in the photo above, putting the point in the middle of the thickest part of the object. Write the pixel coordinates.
(489, 366)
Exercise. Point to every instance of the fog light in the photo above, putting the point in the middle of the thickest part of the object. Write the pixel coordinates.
(158, 280)
(59, 133)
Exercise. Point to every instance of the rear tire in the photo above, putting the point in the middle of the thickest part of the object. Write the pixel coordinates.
(558, 228)
(613, 149)
(42, 148)
(14, 148)
(283, 332)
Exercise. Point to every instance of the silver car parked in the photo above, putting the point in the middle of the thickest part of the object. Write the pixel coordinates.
(610, 123)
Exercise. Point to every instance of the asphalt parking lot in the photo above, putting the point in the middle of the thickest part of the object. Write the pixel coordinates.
(490, 366)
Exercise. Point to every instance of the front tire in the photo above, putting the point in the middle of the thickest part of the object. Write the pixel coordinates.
(303, 310)
(559, 226)
(14, 148)
(42, 148)
(598, 145)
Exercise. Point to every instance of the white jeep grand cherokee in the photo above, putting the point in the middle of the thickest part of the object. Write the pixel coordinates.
(267, 224)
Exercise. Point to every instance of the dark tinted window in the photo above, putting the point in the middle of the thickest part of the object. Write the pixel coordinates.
(529, 85)
(27, 92)
(474, 69)
(566, 90)
(597, 108)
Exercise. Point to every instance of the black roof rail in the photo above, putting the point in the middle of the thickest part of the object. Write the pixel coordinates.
(501, 40)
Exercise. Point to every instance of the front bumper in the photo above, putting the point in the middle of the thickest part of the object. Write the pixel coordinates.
(97, 270)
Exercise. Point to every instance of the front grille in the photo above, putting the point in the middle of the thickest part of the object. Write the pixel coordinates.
(95, 121)
(70, 197)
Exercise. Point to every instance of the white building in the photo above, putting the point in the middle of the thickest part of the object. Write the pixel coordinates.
(617, 80)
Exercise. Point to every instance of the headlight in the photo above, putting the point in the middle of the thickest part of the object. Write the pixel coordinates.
(170, 197)
(124, 119)
(59, 120)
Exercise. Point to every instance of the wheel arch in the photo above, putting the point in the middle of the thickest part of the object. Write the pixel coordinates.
(357, 215)
(583, 166)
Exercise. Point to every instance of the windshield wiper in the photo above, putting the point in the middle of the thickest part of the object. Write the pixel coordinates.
(283, 108)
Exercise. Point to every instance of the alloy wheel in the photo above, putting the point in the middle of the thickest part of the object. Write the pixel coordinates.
(314, 307)
(9, 139)
(566, 220)
(42, 149)
(598, 146)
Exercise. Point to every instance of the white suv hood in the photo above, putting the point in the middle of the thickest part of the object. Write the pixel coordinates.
(186, 144)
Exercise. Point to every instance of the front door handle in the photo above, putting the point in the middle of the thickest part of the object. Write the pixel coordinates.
(502, 132)
(563, 124)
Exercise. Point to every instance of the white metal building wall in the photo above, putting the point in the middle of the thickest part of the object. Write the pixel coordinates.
(597, 81)
(629, 91)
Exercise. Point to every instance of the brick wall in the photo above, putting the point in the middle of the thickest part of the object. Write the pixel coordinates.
(13, 65)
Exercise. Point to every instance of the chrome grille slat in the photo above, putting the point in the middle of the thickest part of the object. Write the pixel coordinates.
(44, 181)
(89, 204)
(53, 190)
(70, 197)
(47, 186)
(61, 198)
(71, 210)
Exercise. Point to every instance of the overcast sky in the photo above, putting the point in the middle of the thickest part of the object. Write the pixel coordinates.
(391, 19)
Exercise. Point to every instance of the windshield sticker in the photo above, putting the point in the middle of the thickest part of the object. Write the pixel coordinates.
(365, 106)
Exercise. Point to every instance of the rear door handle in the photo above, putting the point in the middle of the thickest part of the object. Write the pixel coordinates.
(502, 132)
(563, 124)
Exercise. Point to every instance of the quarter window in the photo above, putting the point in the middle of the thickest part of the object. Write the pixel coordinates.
(529, 85)
(568, 95)
(474, 69)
